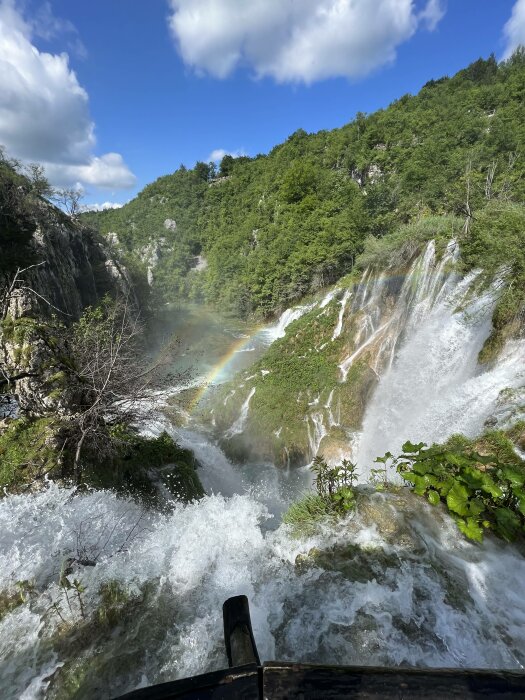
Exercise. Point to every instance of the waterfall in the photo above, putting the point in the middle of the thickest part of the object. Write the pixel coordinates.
(239, 424)
(287, 317)
(333, 420)
(421, 288)
(343, 303)
(328, 298)
(433, 386)
(317, 432)
(393, 584)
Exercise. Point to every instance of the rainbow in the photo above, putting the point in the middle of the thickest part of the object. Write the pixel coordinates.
(216, 371)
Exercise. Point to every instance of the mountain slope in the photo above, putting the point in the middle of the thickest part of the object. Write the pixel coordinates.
(273, 228)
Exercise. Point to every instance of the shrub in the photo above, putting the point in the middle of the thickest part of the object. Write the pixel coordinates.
(480, 492)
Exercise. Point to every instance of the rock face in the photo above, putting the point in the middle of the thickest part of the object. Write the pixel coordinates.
(72, 269)
(69, 269)
(152, 253)
(9, 406)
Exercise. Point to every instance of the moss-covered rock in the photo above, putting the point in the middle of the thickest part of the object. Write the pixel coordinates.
(27, 452)
(143, 465)
(31, 449)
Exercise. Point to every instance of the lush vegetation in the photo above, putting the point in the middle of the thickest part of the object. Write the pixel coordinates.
(89, 381)
(26, 452)
(334, 497)
(33, 449)
(297, 375)
(480, 491)
(273, 228)
(481, 483)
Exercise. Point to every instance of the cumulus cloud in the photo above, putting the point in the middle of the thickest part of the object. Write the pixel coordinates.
(218, 154)
(101, 207)
(44, 111)
(106, 172)
(514, 30)
(294, 41)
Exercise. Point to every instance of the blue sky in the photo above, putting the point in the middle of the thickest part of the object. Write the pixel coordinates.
(157, 83)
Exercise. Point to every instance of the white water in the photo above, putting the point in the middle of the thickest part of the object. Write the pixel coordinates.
(433, 386)
(316, 431)
(339, 326)
(287, 317)
(411, 592)
(395, 584)
(238, 426)
(295, 312)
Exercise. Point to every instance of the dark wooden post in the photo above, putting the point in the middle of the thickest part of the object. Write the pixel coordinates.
(238, 634)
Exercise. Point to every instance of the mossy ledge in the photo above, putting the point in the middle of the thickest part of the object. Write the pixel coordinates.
(33, 450)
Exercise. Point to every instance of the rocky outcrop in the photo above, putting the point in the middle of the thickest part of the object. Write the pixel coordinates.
(68, 268)
(71, 269)
(151, 254)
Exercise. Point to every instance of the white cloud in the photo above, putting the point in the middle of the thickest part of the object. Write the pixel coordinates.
(45, 24)
(295, 41)
(218, 154)
(432, 14)
(101, 207)
(44, 111)
(514, 30)
(107, 172)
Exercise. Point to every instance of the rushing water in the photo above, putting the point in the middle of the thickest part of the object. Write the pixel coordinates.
(394, 584)
(432, 385)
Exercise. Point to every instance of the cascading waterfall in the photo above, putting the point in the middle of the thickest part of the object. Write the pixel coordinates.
(395, 583)
(316, 431)
(333, 419)
(434, 386)
(425, 281)
(343, 302)
(289, 316)
(238, 426)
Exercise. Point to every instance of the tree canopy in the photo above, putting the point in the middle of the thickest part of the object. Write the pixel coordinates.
(275, 227)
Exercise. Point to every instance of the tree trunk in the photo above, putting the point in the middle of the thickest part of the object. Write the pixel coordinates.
(77, 466)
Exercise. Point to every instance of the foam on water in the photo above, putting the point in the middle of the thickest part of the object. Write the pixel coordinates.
(397, 587)
(394, 584)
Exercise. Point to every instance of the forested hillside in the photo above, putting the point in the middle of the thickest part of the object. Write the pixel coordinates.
(273, 228)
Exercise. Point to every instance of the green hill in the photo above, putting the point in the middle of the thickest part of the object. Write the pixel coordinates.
(273, 228)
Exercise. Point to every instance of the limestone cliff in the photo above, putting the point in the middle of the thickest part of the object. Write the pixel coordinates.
(66, 268)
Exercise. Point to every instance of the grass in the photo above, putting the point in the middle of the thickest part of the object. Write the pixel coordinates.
(499, 443)
(304, 515)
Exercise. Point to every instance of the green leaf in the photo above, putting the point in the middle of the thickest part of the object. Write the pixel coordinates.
(489, 486)
(412, 449)
(444, 486)
(433, 497)
(507, 523)
(420, 485)
(457, 499)
(422, 467)
(476, 507)
(431, 480)
(516, 478)
(472, 477)
(406, 475)
(455, 459)
(471, 529)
